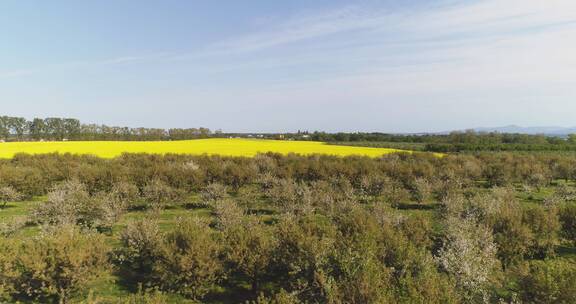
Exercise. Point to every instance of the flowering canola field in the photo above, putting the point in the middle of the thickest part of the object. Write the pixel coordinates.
(216, 146)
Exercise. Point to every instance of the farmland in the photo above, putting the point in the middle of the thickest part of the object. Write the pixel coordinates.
(287, 152)
(215, 146)
(274, 228)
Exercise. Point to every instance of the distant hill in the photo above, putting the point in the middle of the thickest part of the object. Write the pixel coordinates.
(556, 131)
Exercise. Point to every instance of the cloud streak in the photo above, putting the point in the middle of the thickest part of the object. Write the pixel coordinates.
(448, 63)
(71, 66)
(515, 56)
(518, 38)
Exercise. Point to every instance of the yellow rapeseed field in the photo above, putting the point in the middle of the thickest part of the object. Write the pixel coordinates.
(224, 147)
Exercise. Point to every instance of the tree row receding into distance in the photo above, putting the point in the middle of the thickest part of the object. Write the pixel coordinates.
(37, 129)
(20, 129)
(403, 228)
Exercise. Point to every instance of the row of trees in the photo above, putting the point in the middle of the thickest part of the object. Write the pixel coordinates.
(453, 142)
(322, 239)
(18, 128)
(315, 229)
(456, 137)
(35, 175)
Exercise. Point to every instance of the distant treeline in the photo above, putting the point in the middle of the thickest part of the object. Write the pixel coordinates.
(53, 128)
(20, 129)
(452, 142)
(457, 137)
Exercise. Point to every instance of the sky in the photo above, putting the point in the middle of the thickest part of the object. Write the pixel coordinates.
(278, 66)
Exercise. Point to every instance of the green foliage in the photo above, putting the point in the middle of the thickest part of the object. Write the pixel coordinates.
(302, 254)
(127, 192)
(158, 194)
(55, 128)
(13, 225)
(511, 234)
(8, 272)
(70, 203)
(184, 260)
(52, 266)
(545, 227)
(228, 214)
(282, 297)
(421, 190)
(568, 221)
(146, 297)
(291, 229)
(8, 194)
(357, 270)
(469, 254)
(548, 282)
(189, 263)
(213, 192)
(141, 248)
(249, 251)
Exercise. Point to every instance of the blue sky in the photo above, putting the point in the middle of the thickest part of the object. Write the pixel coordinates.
(260, 65)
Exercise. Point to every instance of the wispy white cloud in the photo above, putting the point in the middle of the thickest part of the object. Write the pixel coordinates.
(301, 28)
(441, 20)
(379, 37)
(524, 39)
(468, 57)
(78, 65)
(515, 56)
(14, 73)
